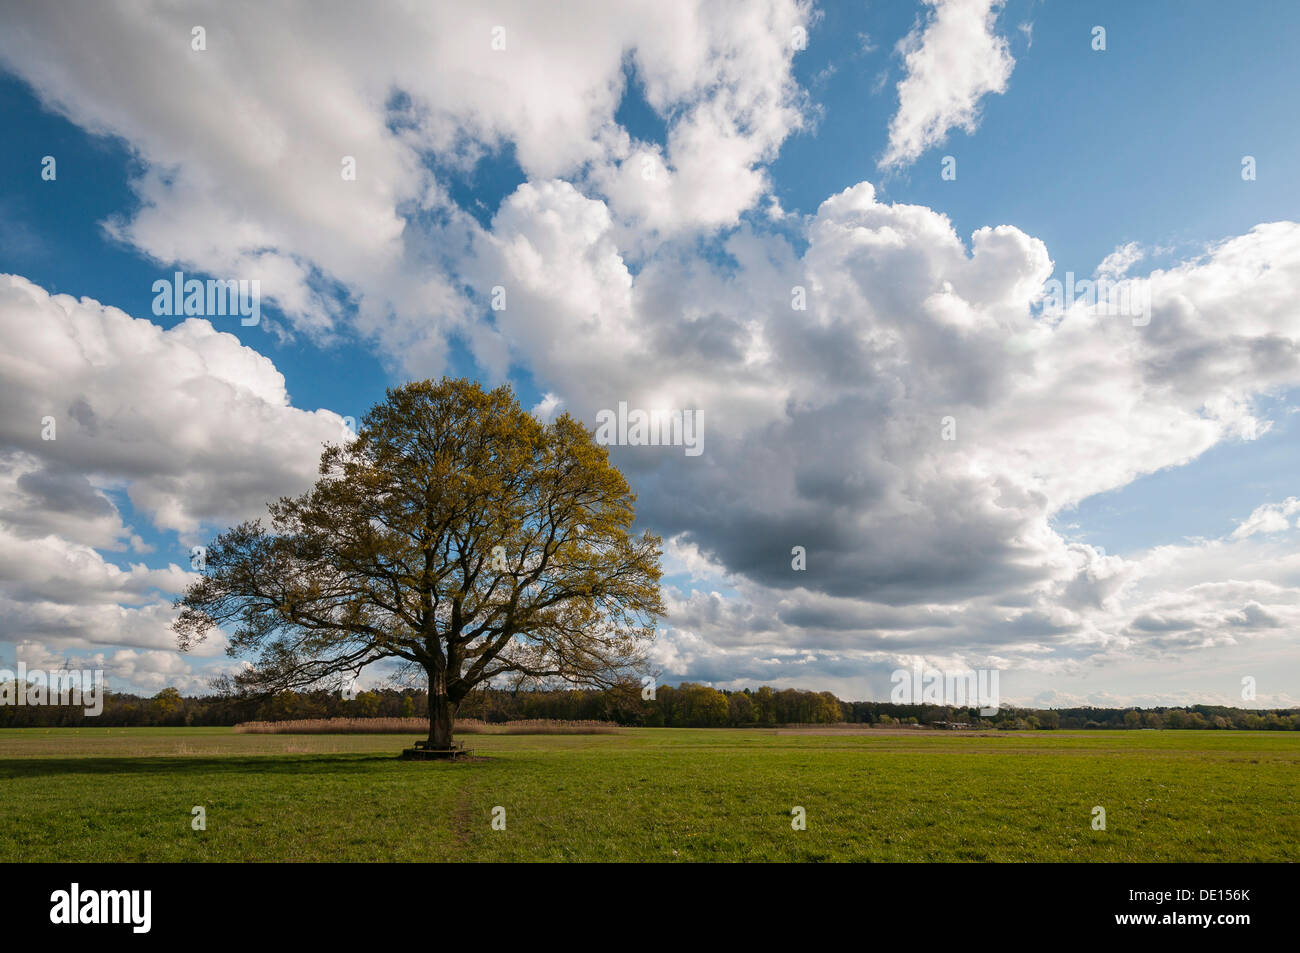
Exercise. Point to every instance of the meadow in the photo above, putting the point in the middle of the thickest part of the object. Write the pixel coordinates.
(646, 794)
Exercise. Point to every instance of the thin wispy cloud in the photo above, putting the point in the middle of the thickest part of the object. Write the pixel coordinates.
(952, 60)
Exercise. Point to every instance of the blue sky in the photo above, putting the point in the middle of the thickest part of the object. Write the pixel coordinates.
(1082, 153)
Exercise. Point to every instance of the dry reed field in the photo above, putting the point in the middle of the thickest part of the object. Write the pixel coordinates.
(405, 726)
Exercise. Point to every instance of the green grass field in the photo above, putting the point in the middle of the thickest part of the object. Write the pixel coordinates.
(125, 794)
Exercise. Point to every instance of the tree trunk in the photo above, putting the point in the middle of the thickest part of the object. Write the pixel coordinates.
(442, 715)
(442, 712)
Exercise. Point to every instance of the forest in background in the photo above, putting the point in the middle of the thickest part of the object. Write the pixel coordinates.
(688, 705)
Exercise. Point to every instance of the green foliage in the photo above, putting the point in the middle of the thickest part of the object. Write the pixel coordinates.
(166, 705)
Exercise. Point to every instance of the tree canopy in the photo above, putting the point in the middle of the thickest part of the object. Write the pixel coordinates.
(456, 533)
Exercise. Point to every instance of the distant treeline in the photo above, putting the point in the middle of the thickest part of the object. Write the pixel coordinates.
(684, 706)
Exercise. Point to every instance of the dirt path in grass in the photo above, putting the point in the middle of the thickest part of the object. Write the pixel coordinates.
(463, 820)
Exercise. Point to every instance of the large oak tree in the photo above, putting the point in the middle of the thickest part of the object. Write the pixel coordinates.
(455, 532)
